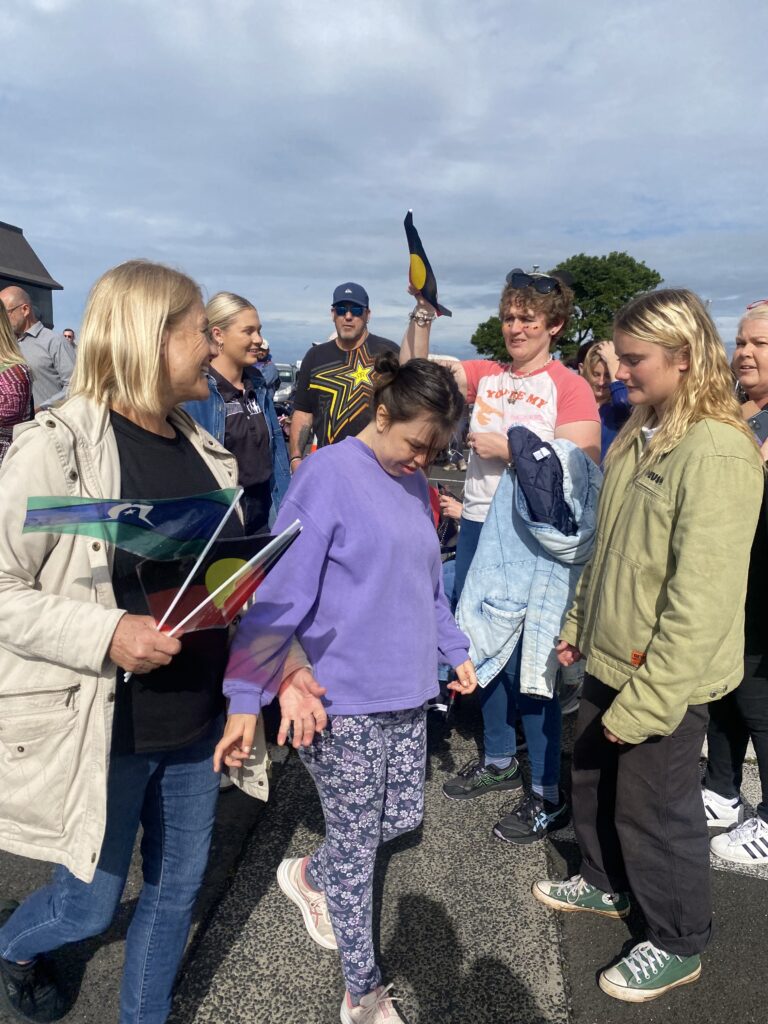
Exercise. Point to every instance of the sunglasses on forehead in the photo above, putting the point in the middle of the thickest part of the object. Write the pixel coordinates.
(541, 283)
(760, 302)
(342, 308)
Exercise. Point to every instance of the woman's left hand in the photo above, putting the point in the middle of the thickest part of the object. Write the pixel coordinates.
(613, 738)
(301, 709)
(489, 445)
(236, 744)
(764, 450)
(467, 680)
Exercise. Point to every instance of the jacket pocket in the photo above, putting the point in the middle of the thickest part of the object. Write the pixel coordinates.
(38, 747)
(625, 618)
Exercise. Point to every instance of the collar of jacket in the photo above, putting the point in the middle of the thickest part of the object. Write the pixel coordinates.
(88, 425)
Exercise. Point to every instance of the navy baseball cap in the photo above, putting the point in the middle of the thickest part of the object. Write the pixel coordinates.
(351, 292)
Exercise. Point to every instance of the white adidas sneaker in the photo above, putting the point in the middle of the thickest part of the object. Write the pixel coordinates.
(722, 811)
(745, 844)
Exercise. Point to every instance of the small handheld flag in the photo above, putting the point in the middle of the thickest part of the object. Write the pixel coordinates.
(149, 527)
(420, 273)
(220, 584)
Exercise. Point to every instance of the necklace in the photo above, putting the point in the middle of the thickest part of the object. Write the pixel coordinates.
(515, 394)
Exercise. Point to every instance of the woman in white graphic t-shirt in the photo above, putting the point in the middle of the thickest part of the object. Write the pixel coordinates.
(539, 392)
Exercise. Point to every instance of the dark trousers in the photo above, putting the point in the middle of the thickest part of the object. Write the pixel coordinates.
(740, 716)
(640, 823)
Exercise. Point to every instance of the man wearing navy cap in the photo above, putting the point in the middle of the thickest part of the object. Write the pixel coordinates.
(333, 391)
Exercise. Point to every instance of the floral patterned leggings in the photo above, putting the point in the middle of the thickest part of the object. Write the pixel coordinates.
(369, 773)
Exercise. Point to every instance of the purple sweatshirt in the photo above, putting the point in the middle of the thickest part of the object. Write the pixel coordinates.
(361, 587)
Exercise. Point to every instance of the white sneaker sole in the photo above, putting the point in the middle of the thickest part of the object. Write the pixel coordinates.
(633, 995)
(290, 890)
(739, 856)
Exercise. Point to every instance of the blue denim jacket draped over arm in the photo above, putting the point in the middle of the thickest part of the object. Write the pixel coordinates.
(211, 415)
(524, 574)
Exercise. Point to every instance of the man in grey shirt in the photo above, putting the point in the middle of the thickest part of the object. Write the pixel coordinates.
(50, 357)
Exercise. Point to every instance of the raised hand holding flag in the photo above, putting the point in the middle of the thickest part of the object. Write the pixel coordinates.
(420, 272)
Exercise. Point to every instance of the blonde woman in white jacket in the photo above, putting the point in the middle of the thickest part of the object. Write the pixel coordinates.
(85, 757)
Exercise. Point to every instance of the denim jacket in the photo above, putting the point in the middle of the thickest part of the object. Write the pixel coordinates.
(524, 574)
(211, 415)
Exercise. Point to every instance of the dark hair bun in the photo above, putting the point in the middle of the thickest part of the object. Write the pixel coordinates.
(386, 367)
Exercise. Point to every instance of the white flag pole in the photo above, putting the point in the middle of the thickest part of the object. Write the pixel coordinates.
(263, 556)
(195, 567)
(199, 562)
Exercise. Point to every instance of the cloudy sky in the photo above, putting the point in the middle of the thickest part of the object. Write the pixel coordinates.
(273, 148)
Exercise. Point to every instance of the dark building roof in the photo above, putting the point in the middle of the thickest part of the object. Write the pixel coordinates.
(19, 262)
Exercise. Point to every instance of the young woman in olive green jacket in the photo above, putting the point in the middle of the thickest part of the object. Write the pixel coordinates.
(659, 616)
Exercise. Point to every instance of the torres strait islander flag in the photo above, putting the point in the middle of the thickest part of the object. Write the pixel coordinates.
(224, 581)
(148, 527)
(420, 272)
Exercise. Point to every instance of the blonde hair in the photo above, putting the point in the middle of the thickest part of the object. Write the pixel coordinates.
(591, 359)
(676, 320)
(10, 354)
(129, 309)
(758, 313)
(223, 307)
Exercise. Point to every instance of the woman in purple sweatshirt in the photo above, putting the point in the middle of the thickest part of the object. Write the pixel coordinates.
(362, 590)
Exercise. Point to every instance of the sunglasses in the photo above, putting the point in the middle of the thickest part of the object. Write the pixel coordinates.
(541, 283)
(342, 308)
(760, 302)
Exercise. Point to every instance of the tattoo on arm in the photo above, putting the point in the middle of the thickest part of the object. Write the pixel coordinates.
(304, 435)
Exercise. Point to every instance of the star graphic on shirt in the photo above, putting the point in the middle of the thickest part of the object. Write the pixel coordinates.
(360, 375)
(348, 388)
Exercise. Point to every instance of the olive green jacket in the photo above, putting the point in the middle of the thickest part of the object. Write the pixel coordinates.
(659, 609)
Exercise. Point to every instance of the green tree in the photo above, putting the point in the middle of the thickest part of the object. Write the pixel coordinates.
(488, 340)
(601, 284)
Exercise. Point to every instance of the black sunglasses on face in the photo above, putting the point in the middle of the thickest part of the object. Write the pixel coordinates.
(342, 308)
(541, 283)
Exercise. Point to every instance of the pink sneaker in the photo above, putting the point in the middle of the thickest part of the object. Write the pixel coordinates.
(314, 909)
(375, 1008)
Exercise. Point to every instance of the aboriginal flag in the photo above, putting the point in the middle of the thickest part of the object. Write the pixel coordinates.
(420, 273)
(225, 580)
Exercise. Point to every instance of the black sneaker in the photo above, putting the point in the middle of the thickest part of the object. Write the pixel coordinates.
(532, 820)
(477, 779)
(29, 992)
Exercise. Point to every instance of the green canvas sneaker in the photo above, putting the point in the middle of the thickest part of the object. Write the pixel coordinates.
(577, 894)
(647, 972)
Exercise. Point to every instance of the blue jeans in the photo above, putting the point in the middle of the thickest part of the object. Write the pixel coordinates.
(173, 796)
(466, 545)
(502, 704)
(501, 701)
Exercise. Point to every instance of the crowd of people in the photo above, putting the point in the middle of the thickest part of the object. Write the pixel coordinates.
(601, 503)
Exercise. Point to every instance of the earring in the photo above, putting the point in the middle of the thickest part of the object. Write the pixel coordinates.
(221, 346)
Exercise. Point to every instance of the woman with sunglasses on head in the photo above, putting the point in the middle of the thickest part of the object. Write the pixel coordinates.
(538, 392)
(361, 588)
(743, 714)
(240, 411)
(659, 616)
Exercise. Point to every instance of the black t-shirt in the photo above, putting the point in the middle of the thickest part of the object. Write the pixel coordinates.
(246, 433)
(335, 386)
(173, 705)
